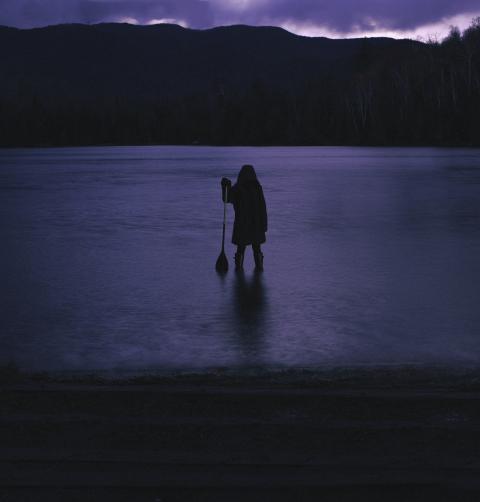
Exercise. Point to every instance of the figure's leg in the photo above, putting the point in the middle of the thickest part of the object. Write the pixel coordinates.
(257, 256)
(239, 255)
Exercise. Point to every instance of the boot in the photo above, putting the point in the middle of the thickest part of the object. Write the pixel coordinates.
(239, 261)
(258, 257)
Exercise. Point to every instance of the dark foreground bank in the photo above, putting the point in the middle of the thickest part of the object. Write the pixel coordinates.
(352, 435)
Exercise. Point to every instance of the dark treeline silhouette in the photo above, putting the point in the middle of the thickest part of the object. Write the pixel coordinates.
(122, 84)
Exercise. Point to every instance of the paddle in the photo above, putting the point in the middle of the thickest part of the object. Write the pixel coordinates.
(222, 262)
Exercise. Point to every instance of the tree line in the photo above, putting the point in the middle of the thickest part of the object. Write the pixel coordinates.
(426, 94)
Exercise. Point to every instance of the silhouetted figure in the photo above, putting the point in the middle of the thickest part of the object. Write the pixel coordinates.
(250, 215)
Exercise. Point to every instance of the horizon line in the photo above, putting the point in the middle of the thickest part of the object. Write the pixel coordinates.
(189, 28)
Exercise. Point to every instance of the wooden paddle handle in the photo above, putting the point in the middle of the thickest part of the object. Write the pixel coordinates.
(224, 216)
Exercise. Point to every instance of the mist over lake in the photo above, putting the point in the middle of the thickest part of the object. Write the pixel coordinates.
(107, 259)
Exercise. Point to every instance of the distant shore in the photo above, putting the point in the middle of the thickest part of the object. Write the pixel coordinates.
(235, 85)
(242, 145)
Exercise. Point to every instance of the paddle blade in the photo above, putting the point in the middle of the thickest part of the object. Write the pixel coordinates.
(222, 263)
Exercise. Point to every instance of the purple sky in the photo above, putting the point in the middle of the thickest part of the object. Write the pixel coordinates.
(334, 18)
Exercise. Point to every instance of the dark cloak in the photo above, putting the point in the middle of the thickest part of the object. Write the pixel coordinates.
(250, 211)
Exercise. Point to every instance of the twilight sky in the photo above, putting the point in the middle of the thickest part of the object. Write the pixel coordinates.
(333, 18)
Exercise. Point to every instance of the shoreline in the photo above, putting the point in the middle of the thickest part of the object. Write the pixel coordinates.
(472, 146)
(388, 376)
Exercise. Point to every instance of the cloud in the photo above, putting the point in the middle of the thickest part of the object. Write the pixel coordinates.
(185, 12)
(167, 20)
(25, 14)
(346, 16)
(31, 13)
(330, 17)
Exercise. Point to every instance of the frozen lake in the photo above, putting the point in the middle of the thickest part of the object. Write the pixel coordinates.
(107, 259)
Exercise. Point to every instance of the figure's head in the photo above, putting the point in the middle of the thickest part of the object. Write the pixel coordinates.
(247, 173)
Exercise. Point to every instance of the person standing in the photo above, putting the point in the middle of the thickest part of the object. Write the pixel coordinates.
(250, 223)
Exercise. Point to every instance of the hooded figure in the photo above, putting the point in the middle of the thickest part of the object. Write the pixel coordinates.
(250, 214)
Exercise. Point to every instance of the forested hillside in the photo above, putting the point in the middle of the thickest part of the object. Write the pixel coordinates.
(123, 84)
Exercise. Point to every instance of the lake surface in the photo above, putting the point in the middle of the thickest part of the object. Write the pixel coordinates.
(107, 259)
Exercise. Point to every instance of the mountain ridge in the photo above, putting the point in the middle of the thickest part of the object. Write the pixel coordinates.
(190, 59)
(212, 29)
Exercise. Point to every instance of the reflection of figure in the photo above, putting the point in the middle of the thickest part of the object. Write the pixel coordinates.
(250, 215)
(249, 298)
(249, 310)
